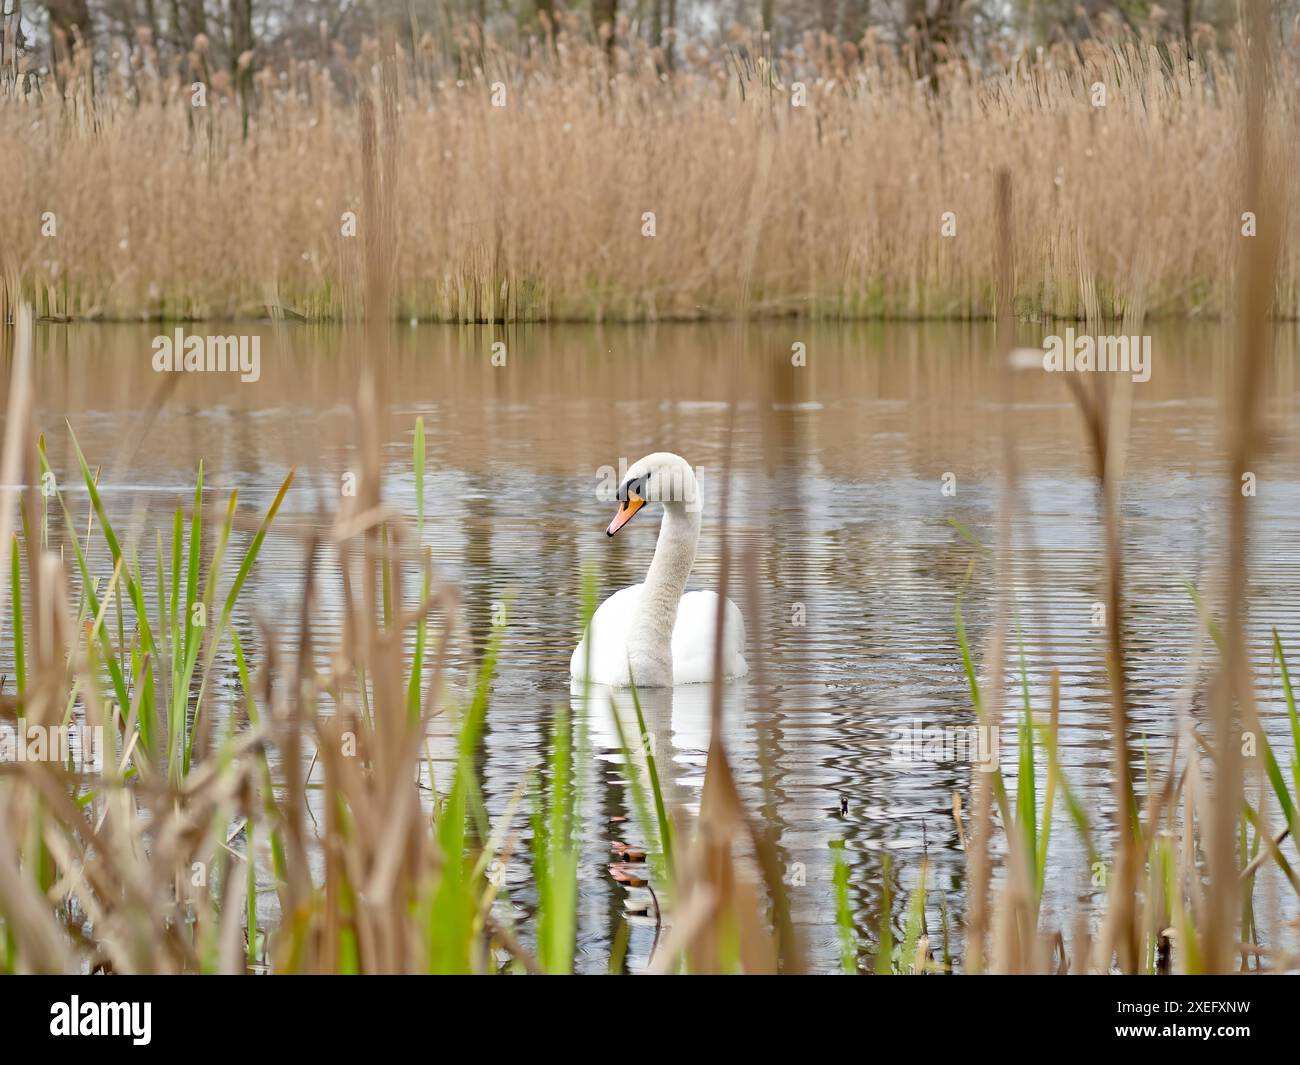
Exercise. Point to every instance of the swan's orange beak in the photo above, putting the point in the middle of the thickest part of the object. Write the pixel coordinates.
(629, 506)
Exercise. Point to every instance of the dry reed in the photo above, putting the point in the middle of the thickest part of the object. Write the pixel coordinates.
(536, 209)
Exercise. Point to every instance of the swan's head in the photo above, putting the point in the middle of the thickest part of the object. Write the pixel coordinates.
(659, 478)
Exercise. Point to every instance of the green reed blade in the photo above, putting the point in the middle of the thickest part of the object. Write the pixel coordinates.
(16, 598)
(558, 889)
(915, 926)
(1290, 707)
(452, 914)
(656, 788)
(241, 575)
(1026, 786)
(885, 940)
(641, 803)
(110, 538)
(844, 910)
(192, 571)
(999, 784)
(88, 592)
(421, 625)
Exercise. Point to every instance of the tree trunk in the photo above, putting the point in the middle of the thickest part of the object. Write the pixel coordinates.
(857, 14)
(827, 12)
(241, 42)
(672, 32)
(69, 26)
(604, 14)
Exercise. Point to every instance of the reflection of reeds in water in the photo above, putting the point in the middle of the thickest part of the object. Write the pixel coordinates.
(535, 210)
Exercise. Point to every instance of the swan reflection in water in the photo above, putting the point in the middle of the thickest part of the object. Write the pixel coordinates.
(677, 720)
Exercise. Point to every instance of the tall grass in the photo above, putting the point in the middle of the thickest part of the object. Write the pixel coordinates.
(536, 209)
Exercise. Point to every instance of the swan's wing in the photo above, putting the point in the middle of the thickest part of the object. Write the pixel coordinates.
(608, 633)
(693, 639)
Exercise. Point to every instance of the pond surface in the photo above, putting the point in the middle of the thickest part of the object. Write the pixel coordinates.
(837, 493)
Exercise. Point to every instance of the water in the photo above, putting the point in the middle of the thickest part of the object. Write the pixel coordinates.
(837, 492)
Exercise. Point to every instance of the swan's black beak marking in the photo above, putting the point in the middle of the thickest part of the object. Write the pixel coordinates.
(632, 502)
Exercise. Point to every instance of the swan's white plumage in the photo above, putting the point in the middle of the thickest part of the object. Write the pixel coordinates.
(692, 640)
(657, 634)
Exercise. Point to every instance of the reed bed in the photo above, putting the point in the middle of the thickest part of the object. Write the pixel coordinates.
(538, 209)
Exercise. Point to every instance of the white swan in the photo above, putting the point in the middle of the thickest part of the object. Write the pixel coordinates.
(664, 636)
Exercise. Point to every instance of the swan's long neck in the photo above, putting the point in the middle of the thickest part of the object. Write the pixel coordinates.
(650, 636)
